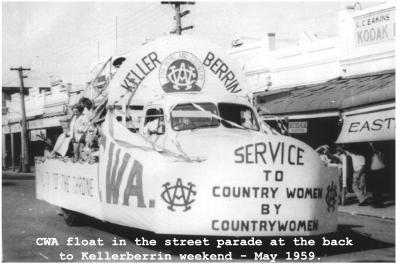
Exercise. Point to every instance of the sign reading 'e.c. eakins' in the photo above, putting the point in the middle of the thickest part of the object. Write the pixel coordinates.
(375, 27)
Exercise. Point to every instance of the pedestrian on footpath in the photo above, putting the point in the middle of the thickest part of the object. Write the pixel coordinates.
(377, 174)
(359, 186)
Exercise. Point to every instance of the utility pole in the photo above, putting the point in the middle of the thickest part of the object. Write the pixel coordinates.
(178, 26)
(12, 150)
(178, 15)
(24, 139)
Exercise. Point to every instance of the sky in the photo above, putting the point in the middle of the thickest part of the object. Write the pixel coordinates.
(66, 39)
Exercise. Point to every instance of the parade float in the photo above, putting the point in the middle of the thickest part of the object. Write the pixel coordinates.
(183, 151)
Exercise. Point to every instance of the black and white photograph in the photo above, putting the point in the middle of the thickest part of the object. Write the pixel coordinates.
(198, 131)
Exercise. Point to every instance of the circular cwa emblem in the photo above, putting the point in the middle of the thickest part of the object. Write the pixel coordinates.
(181, 72)
(331, 196)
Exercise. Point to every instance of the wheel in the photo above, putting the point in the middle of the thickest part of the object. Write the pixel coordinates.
(71, 218)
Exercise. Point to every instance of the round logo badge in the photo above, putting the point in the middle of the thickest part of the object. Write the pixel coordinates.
(181, 72)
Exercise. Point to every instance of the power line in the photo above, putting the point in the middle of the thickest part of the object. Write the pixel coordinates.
(122, 27)
(134, 15)
(15, 79)
(151, 15)
(9, 82)
(111, 29)
(64, 72)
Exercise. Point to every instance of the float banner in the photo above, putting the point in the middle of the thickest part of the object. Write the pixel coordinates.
(368, 127)
(176, 64)
(73, 186)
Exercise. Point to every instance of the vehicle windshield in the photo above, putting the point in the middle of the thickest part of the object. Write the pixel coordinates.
(239, 114)
(189, 117)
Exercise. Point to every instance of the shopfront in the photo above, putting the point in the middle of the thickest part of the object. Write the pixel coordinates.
(373, 125)
(38, 129)
(313, 129)
(316, 113)
(348, 111)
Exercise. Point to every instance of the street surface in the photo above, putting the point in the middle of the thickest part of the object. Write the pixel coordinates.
(26, 219)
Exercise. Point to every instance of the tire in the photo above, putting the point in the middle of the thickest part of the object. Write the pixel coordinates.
(71, 218)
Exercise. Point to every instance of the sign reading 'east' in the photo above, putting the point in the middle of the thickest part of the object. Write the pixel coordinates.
(379, 125)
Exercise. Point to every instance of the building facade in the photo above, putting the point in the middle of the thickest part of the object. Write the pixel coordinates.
(333, 91)
(46, 103)
(44, 107)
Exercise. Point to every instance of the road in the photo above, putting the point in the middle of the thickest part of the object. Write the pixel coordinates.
(26, 220)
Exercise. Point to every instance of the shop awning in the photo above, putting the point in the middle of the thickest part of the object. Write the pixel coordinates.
(368, 124)
(302, 116)
(334, 95)
(41, 123)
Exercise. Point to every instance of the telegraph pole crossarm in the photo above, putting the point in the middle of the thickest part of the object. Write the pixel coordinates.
(178, 15)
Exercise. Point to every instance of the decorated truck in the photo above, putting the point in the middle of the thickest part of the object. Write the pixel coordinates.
(183, 151)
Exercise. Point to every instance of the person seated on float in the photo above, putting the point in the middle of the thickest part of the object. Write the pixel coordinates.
(87, 105)
(85, 122)
(91, 147)
(93, 135)
(63, 147)
(77, 125)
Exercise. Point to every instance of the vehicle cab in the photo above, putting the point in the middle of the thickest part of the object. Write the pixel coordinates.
(191, 112)
(195, 115)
